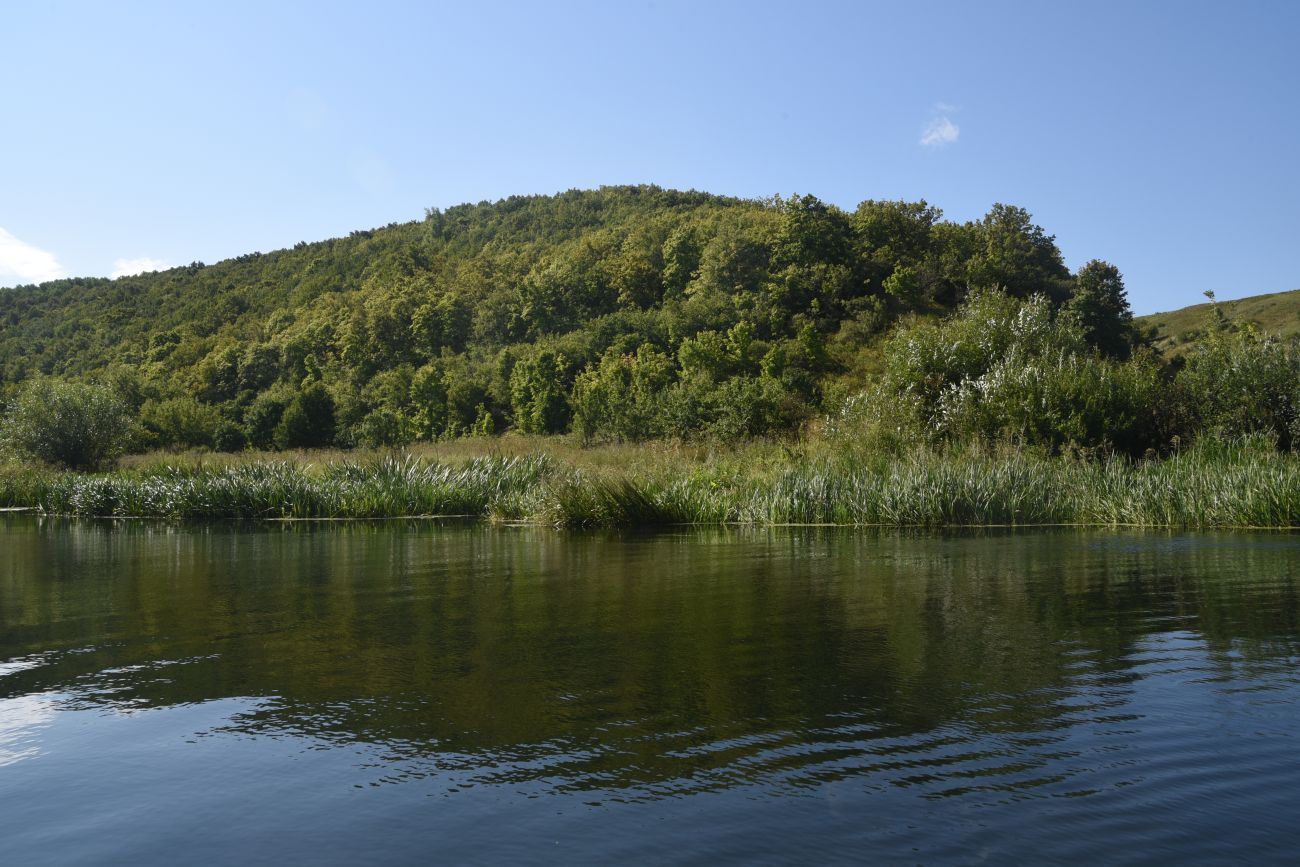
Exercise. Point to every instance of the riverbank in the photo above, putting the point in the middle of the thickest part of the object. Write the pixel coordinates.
(1215, 484)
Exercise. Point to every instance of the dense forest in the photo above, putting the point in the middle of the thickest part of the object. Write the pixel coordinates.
(627, 313)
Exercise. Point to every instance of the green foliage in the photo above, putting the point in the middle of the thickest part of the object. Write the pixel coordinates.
(1060, 400)
(745, 407)
(263, 417)
(724, 317)
(622, 398)
(308, 420)
(382, 427)
(538, 395)
(1014, 254)
(1100, 304)
(1237, 382)
(1007, 369)
(229, 437)
(179, 422)
(78, 425)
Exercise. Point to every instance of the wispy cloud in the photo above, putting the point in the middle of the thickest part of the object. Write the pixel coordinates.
(131, 267)
(20, 262)
(940, 131)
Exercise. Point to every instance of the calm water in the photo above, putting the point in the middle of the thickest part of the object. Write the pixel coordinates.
(417, 693)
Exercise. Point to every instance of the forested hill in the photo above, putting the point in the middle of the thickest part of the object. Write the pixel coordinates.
(541, 313)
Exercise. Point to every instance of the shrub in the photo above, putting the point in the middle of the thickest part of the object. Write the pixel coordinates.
(381, 427)
(1239, 383)
(1002, 368)
(749, 407)
(1058, 401)
(74, 424)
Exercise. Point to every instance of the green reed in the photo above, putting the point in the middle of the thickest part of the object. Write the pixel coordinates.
(1240, 483)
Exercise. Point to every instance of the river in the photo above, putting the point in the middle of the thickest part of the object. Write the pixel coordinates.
(462, 693)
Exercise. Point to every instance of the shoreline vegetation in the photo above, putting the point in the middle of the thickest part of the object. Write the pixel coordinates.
(633, 356)
(1242, 483)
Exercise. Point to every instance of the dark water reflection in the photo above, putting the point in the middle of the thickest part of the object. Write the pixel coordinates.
(413, 693)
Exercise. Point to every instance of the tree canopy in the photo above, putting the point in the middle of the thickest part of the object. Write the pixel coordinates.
(622, 312)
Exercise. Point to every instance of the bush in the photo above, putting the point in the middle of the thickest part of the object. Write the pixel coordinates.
(749, 407)
(1007, 369)
(74, 424)
(1240, 383)
(381, 427)
(1059, 401)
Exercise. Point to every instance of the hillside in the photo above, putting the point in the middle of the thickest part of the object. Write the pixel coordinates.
(1176, 331)
(539, 313)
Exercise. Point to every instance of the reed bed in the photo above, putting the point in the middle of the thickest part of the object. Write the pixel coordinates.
(383, 488)
(1216, 484)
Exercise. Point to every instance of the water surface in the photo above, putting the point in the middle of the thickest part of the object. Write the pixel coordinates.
(402, 693)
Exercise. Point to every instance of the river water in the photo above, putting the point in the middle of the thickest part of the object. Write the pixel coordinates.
(408, 693)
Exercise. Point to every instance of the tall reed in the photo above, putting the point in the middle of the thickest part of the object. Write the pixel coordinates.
(1241, 483)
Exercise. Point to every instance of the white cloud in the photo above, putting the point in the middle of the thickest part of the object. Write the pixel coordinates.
(131, 267)
(22, 263)
(940, 131)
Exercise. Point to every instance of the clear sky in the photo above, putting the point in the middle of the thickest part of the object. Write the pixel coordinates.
(1164, 137)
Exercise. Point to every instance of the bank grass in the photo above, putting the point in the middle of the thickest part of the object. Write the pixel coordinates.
(386, 487)
(1217, 483)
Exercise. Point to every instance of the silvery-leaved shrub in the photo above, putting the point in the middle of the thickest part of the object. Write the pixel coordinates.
(78, 425)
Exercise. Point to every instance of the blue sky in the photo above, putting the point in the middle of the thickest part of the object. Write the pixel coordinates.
(1163, 137)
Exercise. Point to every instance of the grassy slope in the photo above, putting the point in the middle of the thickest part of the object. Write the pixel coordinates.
(1277, 314)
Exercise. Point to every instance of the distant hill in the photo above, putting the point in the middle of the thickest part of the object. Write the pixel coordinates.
(1176, 331)
(534, 312)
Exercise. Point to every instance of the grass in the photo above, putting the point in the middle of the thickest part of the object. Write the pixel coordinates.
(1215, 484)
(1177, 331)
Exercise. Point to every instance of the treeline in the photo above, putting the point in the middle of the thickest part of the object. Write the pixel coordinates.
(620, 314)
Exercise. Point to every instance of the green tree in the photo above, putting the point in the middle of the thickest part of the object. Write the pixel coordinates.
(537, 394)
(308, 420)
(428, 398)
(1101, 304)
(1016, 255)
(180, 421)
(622, 397)
(263, 417)
(78, 425)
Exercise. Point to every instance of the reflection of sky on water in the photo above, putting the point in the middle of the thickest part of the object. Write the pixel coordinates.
(21, 721)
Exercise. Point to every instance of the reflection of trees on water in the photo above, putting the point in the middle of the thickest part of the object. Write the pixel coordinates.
(650, 664)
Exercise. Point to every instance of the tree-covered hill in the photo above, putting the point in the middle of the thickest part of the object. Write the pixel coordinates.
(621, 313)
